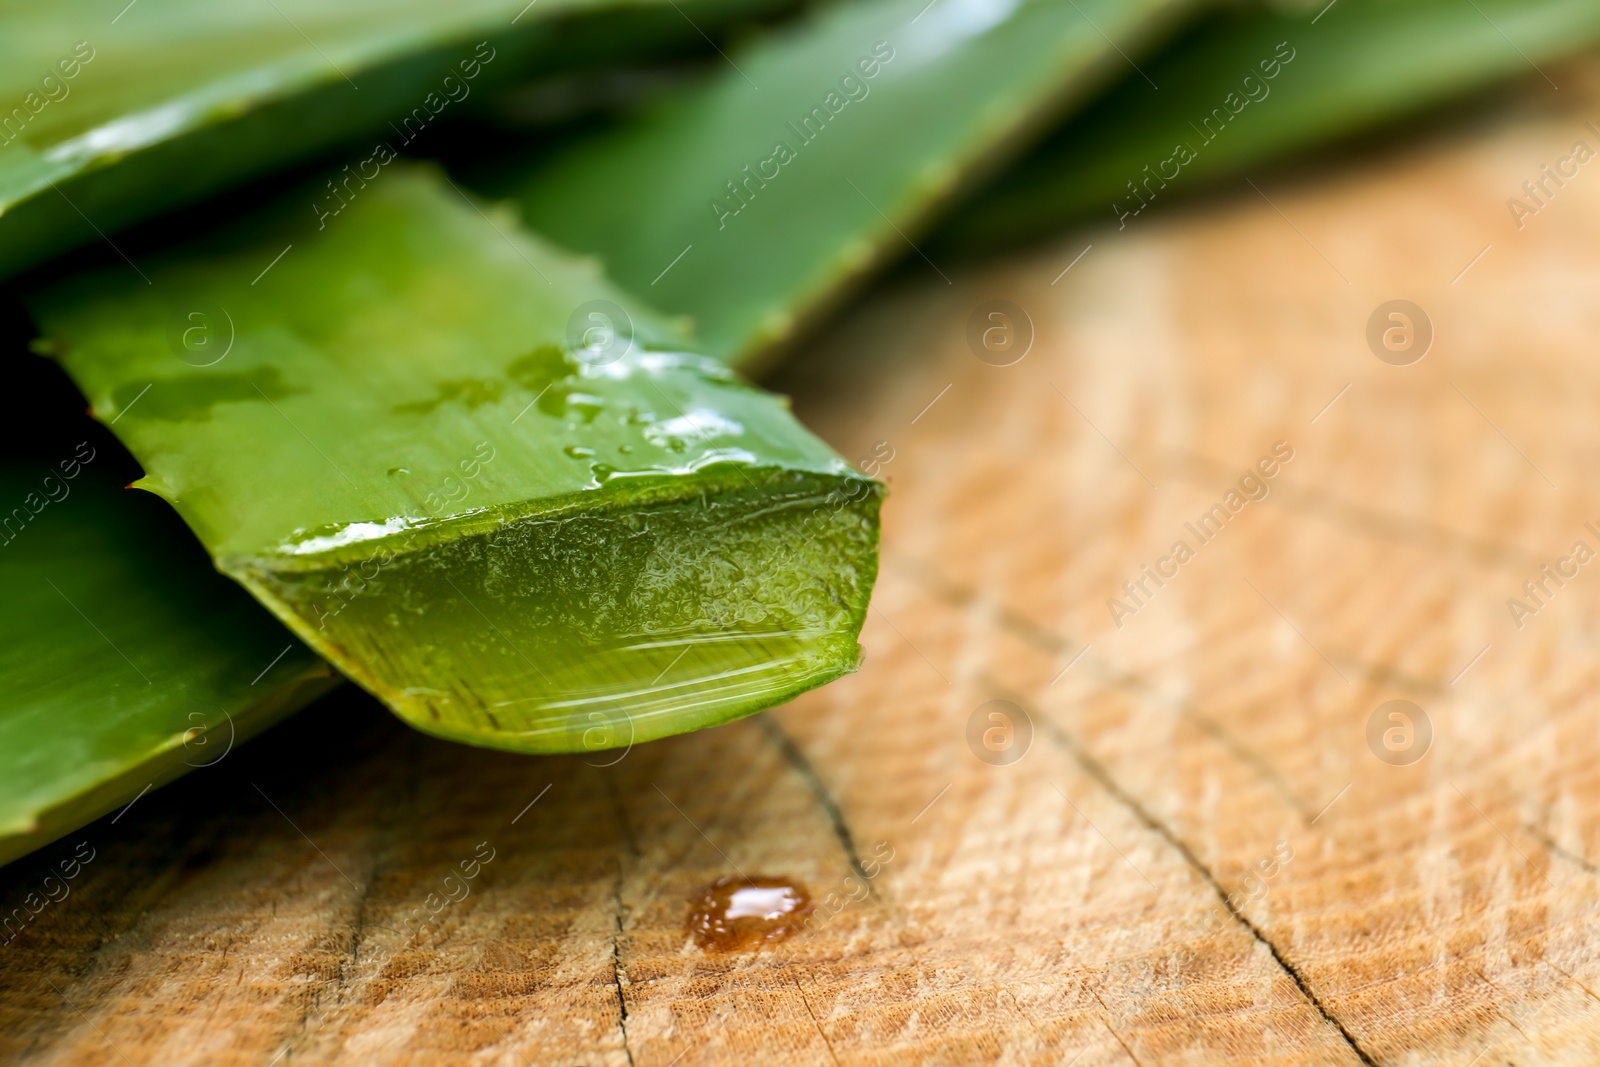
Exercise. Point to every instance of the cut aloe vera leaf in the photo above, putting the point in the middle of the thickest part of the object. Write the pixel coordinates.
(472, 474)
(127, 660)
(724, 204)
(1363, 63)
(109, 118)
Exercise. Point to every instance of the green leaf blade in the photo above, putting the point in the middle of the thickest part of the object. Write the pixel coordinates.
(408, 453)
(127, 660)
(179, 99)
(1356, 66)
(957, 87)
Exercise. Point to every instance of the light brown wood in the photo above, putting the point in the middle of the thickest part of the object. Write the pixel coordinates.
(1088, 903)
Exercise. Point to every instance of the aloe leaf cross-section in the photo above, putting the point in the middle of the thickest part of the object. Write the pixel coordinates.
(479, 479)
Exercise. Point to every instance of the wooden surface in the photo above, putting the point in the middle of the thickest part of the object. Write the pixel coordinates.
(1068, 907)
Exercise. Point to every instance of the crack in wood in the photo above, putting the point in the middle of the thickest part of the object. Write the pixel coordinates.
(1564, 854)
(1382, 524)
(1118, 1039)
(617, 972)
(619, 811)
(1043, 639)
(931, 581)
(841, 831)
(1569, 976)
(1097, 771)
(802, 766)
(1105, 1021)
(814, 1020)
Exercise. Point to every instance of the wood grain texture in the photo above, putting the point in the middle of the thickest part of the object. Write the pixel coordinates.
(1088, 903)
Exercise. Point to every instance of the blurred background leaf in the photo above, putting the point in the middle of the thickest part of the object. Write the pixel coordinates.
(1357, 65)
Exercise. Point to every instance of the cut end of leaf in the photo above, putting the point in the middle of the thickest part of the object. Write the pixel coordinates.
(597, 626)
(464, 470)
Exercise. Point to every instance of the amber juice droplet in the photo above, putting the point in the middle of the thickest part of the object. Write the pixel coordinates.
(736, 912)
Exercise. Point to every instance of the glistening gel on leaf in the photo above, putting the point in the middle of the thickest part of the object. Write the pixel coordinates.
(474, 475)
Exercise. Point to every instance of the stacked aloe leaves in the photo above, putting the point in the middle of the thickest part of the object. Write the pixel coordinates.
(454, 399)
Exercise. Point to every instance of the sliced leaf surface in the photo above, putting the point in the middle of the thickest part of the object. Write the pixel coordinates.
(1353, 67)
(127, 659)
(754, 202)
(469, 472)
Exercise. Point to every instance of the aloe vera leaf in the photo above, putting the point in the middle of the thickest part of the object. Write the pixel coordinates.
(958, 86)
(414, 448)
(173, 100)
(1363, 63)
(127, 660)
